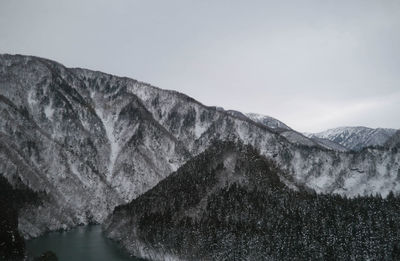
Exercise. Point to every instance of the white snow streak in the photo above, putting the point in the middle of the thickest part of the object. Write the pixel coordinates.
(49, 111)
(108, 123)
(31, 101)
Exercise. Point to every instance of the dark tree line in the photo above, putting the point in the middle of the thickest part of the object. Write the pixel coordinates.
(284, 225)
(260, 219)
(12, 245)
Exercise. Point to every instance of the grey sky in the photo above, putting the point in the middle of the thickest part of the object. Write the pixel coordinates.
(312, 64)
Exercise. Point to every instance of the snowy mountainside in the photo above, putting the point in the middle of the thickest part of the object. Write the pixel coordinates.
(394, 141)
(88, 143)
(93, 141)
(292, 135)
(356, 138)
(268, 121)
(369, 171)
(237, 114)
(328, 144)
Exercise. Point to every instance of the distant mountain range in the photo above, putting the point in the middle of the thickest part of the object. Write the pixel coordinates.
(356, 138)
(341, 139)
(87, 142)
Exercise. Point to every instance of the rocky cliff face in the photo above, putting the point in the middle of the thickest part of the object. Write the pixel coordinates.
(93, 141)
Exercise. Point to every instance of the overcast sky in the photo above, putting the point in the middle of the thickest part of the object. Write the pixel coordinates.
(312, 64)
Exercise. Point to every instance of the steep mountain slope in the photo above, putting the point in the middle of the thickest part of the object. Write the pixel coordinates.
(93, 141)
(356, 138)
(90, 144)
(228, 203)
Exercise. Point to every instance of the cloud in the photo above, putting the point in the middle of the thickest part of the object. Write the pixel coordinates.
(313, 64)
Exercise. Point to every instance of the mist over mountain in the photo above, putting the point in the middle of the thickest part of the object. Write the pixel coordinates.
(90, 141)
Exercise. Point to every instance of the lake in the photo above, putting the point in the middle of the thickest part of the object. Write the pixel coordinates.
(84, 243)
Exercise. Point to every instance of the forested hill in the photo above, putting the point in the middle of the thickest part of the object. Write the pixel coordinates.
(12, 245)
(229, 204)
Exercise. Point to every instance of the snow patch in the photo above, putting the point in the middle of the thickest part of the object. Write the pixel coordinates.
(31, 100)
(322, 181)
(199, 130)
(108, 120)
(108, 123)
(49, 111)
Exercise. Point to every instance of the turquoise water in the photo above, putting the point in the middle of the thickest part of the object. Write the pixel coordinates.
(84, 243)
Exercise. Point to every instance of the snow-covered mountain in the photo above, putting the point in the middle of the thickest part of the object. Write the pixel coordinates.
(355, 138)
(81, 137)
(268, 121)
(292, 135)
(326, 143)
(92, 141)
